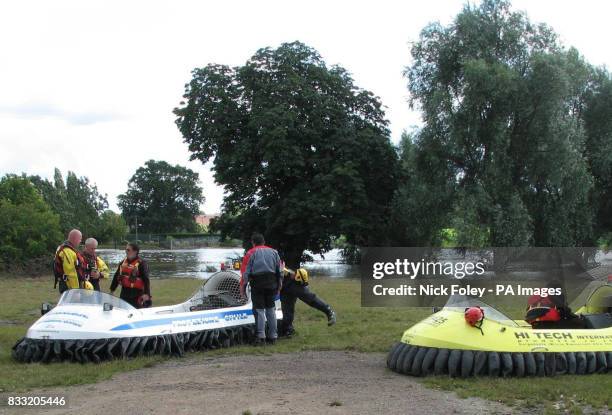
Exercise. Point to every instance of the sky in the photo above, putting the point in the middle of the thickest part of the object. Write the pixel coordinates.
(89, 86)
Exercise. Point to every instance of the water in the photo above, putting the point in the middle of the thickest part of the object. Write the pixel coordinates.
(199, 263)
(202, 263)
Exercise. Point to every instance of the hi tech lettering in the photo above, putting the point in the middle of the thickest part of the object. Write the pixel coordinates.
(552, 336)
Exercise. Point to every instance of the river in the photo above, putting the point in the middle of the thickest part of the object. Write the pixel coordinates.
(201, 263)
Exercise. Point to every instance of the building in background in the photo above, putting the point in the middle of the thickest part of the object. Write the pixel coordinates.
(203, 220)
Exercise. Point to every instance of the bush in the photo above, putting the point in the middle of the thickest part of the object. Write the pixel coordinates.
(29, 230)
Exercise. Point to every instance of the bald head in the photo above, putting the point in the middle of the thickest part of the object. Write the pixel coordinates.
(74, 237)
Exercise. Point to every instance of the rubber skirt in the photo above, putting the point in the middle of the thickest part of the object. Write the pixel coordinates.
(422, 361)
(96, 350)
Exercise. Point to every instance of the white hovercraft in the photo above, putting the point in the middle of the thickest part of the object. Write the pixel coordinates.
(91, 326)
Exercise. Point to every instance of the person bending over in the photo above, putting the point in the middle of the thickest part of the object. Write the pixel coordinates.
(295, 286)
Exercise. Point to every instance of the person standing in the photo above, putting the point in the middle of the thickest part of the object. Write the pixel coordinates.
(295, 286)
(261, 270)
(133, 276)
(96, 268)
(68, 264)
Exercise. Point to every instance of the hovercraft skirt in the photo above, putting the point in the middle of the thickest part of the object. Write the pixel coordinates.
(422, 361)
(30, 350)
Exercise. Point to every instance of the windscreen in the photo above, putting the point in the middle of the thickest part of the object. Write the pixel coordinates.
(92, 298)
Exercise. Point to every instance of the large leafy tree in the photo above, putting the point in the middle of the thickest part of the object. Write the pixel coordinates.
(598, 124)
(420, 205)
(78, 202)
(303, 153)
(504, 138)
(28, 227)
(162, 198)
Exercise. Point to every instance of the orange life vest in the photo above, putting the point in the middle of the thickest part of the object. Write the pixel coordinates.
(130, 274)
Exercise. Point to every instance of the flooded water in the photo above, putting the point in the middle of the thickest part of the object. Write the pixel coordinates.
(202, 263)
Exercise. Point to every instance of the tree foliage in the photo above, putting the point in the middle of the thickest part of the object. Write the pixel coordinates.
(504, 146)
(302, 152)
(162, 198)
(77, 201)
(112, 227)
(598, 125)
(28, 227)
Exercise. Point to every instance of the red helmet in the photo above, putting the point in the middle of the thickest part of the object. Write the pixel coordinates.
(474, 316)
(610, 278)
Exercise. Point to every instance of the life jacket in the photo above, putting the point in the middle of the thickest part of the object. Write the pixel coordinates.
(129, 274)
(91, 262)
(541, 309)
(58, 265)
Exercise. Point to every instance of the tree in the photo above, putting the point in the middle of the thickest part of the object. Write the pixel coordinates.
(303, 153)
(112, 227)
(77, 201)
(163, 198)
(28, 227)
(420, 204)
(504, 137)
(598, 125)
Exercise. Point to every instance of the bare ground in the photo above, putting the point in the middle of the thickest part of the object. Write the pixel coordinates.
(298, 383)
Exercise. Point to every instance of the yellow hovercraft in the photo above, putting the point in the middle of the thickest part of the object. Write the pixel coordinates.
(449, 343)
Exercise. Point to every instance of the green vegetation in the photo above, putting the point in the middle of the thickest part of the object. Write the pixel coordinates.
(35, 216)
(162, 198)
(303, 153)
(360, 329)
(28, 227)
(78, 203)
(515, 147)
(556, 394)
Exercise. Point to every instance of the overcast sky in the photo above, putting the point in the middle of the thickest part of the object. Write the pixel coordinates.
(89, 86)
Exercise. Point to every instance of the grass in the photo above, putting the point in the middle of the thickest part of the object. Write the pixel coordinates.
(358, 329)
(567, 393)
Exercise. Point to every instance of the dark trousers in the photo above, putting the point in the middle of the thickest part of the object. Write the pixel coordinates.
(95, 283)
(263, 290)
(291, 292)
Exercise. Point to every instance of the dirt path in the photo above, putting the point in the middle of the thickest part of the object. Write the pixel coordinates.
(299, 383)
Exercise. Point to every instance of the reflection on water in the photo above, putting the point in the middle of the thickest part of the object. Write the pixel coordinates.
(202, 263)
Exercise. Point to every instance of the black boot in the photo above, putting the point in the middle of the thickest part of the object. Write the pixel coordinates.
(259, 342)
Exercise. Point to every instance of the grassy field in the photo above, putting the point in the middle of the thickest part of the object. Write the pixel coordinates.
(360, 329)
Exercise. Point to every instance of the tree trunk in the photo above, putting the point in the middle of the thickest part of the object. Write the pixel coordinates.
(293, 258)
